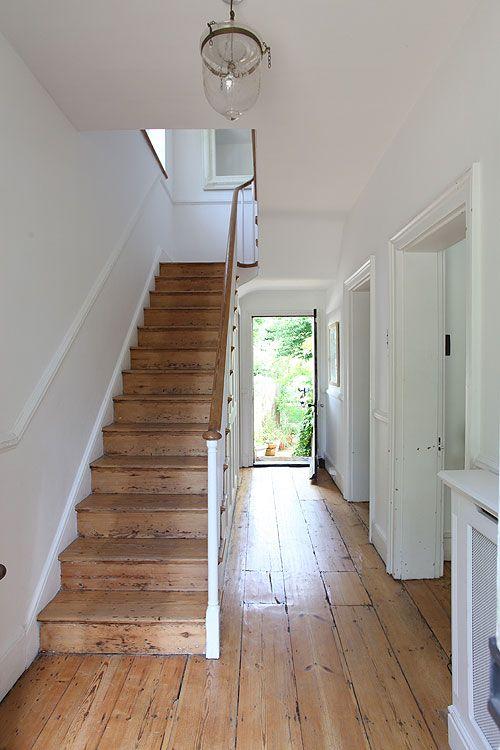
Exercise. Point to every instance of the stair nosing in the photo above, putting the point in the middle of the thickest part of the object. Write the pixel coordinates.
(188, 347)
(210, 327)
(170, 370)
(200, 397)
(113, 597)
(120, 463)
(185, 291)
(106, 553)
(130, 502)
(171, 427)
(187, 307)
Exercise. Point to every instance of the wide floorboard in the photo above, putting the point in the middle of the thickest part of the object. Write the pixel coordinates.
(321, 649)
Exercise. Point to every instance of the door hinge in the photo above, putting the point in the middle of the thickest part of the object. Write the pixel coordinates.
(440, 446)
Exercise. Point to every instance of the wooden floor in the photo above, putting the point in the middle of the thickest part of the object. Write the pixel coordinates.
(321, 649)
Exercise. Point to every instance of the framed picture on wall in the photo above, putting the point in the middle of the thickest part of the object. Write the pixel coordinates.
(334, 353)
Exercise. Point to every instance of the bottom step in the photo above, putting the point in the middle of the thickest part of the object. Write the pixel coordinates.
(124, 622)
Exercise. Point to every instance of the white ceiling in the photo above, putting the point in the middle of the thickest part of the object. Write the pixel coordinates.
(345, 75)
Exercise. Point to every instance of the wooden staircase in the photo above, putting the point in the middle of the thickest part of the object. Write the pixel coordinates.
(135, 579)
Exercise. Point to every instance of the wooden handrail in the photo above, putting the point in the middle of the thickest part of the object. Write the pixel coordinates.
(215, 419)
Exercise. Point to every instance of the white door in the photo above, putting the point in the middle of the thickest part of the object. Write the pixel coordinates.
(313, 461)
(417, 492)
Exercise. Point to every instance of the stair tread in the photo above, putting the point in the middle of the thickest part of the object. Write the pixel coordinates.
(170, 427)
(177, 308)
(179, 279)
(208, 327)
(186, 291)
(168, 370)
(181, 347)
(194, 263)
(150, 462)
(158, 549)
(125, 606)
(101, 502)
(188, 397)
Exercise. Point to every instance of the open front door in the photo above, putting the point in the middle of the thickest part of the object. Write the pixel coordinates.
(313, 461)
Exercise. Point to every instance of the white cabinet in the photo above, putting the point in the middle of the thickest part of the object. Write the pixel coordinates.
(474, 496)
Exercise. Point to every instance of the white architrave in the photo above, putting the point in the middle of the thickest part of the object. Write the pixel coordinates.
(460, 198)
(366, 272)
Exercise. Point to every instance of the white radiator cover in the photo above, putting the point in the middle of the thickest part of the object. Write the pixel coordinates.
(474, 559)
(483, 625)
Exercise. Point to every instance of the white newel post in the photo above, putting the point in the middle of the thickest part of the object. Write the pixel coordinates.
(212, 619)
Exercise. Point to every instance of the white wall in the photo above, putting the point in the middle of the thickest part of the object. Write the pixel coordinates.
(455, 124)
(299, 245)
(83, 218)
(201, 217)
(297, 302)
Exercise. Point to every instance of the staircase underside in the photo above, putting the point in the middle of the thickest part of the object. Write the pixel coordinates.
(135, 579)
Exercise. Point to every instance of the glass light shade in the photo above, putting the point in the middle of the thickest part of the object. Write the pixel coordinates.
(231, 56)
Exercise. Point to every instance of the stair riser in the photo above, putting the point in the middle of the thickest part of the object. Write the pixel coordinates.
(145, 359)
(161, 412)
(174, 339)
(143, 525)
(152, 383)
(115, 638)
(192, 269)
(157, 481)
(202, 284)
(156, 316)
(161, 299)
(133, 576)
(154, 444)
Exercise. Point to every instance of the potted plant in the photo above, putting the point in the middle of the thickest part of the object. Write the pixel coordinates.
(271, 449)
(268, 431)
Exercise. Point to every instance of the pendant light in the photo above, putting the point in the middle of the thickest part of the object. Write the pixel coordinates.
(231, 55)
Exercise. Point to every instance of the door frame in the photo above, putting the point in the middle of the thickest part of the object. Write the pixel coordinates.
(462, 197)
(313, 463)
(364, 273)
(247, 441)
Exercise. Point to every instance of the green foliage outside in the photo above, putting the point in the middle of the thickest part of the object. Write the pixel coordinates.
(303, 447)
(283, 351)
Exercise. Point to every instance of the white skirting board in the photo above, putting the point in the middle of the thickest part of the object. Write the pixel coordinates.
(19, 655)
(458, 736)
(334, 473)
(379, 541)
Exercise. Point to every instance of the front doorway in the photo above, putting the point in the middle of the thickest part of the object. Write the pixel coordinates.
(283, 389)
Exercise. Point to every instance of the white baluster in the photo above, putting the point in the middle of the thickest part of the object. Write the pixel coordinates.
(213, 614)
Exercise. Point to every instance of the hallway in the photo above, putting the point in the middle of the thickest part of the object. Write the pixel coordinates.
(320, 649)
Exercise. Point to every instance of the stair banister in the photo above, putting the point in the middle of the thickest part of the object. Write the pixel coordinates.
(216, 428)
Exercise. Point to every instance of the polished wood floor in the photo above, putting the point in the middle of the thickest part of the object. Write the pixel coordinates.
(321, 649)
